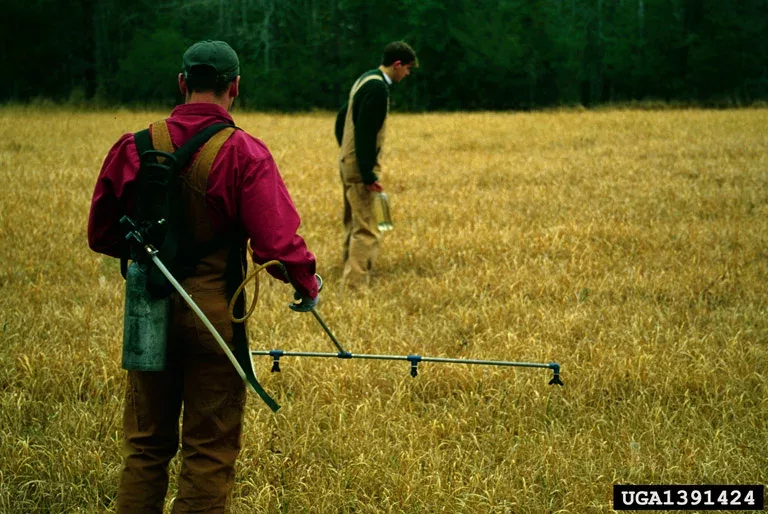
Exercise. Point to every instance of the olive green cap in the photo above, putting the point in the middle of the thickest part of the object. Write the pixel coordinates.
(215, 54)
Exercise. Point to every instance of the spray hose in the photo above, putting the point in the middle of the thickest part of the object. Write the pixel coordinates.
(255, 277)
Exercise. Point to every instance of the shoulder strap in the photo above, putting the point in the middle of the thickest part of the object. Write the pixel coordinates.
(361, 82)
(185, 153)
(143, 141)
(201, 167)
(161, 138)
(196, 180)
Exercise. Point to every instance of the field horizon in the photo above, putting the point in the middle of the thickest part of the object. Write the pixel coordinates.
(630, 246)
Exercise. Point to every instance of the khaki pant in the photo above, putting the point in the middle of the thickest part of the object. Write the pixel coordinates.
(361, 233)
(201, 378)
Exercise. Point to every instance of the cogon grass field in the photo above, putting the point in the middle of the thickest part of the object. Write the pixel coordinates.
(629, 246)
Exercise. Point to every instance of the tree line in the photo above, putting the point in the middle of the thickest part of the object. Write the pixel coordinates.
(474, 54)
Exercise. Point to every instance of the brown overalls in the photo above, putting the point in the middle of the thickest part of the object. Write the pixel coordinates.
(199, 376)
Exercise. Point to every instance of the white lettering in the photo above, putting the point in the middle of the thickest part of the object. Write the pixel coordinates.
(695, 497)
(628, 497)
(655, 499)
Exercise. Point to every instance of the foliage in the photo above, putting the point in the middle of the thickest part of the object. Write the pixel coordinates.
(137, 73)
(475, 54)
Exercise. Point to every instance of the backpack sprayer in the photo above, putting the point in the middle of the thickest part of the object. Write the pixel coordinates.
(136, 237)
(147, 309)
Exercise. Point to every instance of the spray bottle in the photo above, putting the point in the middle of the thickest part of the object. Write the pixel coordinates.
(381, 212)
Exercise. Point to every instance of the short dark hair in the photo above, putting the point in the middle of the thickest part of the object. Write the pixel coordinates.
(399, 51)
(202, 78)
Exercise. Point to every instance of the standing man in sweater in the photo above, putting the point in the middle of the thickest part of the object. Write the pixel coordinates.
(360, 127)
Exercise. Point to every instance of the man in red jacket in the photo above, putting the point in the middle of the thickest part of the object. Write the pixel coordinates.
(244, 197)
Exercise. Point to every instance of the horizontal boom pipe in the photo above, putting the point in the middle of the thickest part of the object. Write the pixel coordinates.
(410, 358)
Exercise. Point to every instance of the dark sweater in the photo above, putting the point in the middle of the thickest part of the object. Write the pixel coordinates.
(368, 114)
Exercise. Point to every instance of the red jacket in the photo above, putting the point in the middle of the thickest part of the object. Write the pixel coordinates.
(244, 187)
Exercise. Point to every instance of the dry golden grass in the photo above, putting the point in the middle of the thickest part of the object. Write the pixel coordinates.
(630, 246)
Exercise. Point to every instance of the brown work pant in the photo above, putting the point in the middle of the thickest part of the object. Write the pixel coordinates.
(361, 233)
(201, 378)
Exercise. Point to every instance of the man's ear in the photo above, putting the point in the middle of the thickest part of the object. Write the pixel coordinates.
(234, 87)
(397, 64)
(182, 85)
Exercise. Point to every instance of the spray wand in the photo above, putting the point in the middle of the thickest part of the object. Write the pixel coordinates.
(307, 305)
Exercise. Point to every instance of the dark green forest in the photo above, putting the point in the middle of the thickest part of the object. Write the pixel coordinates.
(298, 55)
